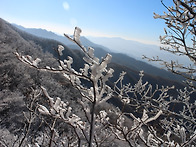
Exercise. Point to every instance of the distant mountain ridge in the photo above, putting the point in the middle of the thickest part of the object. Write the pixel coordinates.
(137, 49)
(51, 35)
(100, 51)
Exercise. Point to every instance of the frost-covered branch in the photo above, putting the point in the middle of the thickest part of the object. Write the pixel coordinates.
(96, 127)
(179, 38)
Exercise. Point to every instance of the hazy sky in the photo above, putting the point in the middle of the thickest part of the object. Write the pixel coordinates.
(130, 19)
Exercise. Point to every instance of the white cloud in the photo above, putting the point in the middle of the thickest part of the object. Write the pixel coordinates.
(66, 6)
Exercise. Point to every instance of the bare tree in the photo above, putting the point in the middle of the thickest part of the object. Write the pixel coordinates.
(179, 38)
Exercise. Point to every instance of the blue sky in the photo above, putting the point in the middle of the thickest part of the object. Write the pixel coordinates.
(129, 19)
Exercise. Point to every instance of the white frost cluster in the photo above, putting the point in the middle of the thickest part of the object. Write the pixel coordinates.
(77, 34)
(28, 60)
(60, 109)
(60, 49)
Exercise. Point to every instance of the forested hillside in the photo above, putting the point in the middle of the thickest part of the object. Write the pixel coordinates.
(17, 80)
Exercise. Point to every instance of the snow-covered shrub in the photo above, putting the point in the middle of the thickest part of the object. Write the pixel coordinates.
(95, 127)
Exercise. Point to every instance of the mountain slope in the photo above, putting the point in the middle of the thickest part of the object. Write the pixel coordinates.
(137, 50)
(48, 45)
(120, 62)
(125, 60)
(50, 35)
(100, 51)
(17, 79)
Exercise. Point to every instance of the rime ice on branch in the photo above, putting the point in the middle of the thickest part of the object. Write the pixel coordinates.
(96, 127)
(180, 38)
